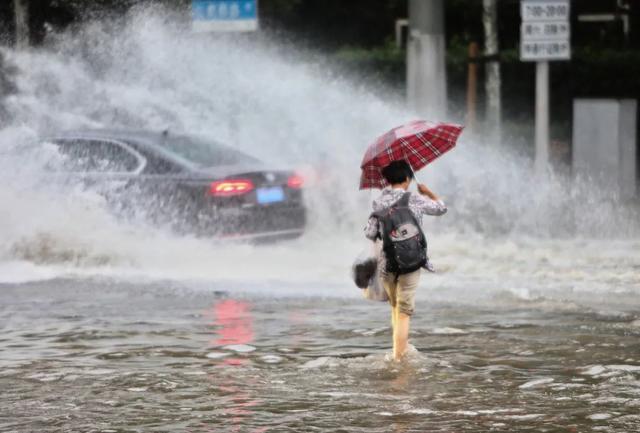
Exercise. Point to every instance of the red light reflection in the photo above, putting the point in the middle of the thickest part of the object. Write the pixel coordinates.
(234, 321)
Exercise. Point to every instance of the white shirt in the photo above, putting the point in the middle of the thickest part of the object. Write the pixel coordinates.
(418, 204)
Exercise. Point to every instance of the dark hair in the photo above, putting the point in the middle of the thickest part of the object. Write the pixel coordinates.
(397, 172)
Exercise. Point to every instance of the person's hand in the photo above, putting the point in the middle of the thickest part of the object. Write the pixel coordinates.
(422, 189)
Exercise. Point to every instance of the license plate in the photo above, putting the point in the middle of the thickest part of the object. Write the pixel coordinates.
(270, 195)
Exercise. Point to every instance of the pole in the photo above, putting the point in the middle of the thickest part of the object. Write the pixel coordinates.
(542, 117)
(472, 87)
(426, 73)
(492, 70)
(21, 12)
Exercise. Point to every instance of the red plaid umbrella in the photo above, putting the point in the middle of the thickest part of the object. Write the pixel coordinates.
(418, 142)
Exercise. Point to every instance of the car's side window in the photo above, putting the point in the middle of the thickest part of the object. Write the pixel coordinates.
(96, 156)
(157, 165)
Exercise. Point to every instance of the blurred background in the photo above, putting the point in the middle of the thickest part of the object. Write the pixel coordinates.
(367, 40)
(308, 85)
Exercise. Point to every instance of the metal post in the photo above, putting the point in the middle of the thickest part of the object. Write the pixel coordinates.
(426, 73)
(492, 70)
(472, 87)
(21, 12)
(542, 117)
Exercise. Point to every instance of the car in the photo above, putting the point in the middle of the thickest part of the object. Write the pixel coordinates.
(188, 183)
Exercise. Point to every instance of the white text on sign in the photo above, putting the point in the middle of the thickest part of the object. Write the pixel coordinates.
(537, 31)
(545, 50)
(545, 11)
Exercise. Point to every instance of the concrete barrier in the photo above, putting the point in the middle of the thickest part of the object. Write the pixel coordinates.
(604, 143)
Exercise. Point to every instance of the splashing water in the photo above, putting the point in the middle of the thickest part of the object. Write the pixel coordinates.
(504, 230)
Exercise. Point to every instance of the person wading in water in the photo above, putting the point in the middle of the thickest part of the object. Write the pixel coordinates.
(396, 220)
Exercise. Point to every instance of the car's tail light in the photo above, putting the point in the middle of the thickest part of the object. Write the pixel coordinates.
(295, 181)
(230, 187)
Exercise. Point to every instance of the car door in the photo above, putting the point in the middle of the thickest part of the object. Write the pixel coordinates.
(109, 167)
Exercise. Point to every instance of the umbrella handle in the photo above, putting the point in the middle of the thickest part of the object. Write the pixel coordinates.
(415, 177)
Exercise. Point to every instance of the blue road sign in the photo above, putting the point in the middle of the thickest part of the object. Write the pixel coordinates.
(225, 15)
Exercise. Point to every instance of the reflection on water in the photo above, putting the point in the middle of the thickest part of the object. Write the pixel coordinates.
(92, 356)
(234, 329)
(234, 321)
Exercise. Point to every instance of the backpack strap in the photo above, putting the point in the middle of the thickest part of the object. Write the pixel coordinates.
(404, 200)
(401, 202)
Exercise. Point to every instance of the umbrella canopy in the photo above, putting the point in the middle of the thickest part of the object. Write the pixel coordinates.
(418, 142)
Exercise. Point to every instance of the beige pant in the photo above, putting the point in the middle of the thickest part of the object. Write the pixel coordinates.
(401, 290)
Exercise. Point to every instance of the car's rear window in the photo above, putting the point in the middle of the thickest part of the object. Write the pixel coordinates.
(204, 153)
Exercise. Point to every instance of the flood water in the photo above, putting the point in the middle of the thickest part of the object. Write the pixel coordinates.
(103, 355)
(531, 323)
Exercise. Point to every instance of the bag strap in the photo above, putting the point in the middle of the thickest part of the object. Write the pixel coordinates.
(401, 202)
(404, 200)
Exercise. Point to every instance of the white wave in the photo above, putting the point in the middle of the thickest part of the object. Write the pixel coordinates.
(536, 383)
(599, 416)
(504, 231)
(448, 331)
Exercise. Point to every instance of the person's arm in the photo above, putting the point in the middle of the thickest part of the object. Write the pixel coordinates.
(371, 229)
(428, 202)
(424, 190)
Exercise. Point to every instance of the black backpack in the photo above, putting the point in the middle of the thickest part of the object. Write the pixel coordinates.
(403, 242)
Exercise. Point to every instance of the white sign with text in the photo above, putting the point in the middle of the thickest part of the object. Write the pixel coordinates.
(545, 32)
